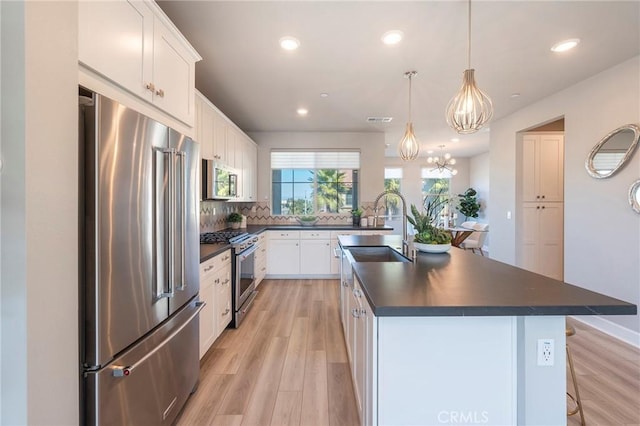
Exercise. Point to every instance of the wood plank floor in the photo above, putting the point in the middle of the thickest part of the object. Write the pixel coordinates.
(287, 365)
(608, 373)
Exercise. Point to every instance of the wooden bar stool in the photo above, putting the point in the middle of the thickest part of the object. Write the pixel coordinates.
(570, 331)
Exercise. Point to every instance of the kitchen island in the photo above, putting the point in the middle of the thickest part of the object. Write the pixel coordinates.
(457, 338)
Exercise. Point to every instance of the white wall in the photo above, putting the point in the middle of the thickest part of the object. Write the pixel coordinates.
(39, 248)
(371, 146)
(479, 180)
(602, 233)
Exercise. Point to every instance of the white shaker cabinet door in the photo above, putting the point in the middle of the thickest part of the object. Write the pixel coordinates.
(173, 75)
(116, 40)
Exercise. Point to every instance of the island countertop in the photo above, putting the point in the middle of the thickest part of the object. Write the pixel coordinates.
(460, 283)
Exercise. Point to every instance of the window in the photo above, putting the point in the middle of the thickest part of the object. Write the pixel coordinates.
(392, 181)
(308, 183)
(436, 185)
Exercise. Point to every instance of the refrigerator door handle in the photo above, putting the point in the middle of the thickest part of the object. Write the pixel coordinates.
(169, 225)
(182, 209)
(124, 371)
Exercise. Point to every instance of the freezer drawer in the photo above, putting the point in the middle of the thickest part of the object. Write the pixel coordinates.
(150, 382)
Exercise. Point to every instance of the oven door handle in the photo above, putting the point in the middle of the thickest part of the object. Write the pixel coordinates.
(243, 255)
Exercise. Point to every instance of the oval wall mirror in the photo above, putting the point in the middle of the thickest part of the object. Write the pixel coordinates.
(612, 152)
(634, 196)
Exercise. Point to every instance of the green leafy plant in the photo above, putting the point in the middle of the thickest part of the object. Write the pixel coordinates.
(426, 232)
(357, 212)
(307, 218)
(234, 217)
(424, 223)
(468, 203)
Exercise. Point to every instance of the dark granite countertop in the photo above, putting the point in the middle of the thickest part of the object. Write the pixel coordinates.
(207, 251)
(460, 283)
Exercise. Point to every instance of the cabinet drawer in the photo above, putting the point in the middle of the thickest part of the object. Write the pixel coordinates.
(284, 235)
(262, 238)
(315, 235)
(214, 264)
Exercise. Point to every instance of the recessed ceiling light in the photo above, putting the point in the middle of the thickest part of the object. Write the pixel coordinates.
(565, 45)
(455, 140)
(289, 43)
(324, 95)
(392, 37)
(302, 111)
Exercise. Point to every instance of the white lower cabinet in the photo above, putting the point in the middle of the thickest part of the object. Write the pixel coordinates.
(315, 252)
(299, 253)
(283, 254)
(260, 259)
(542, 248)
(215, 291)
(362, 342)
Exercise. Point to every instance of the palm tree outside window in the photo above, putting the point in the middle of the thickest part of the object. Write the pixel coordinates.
(299, 188)
(392, 181)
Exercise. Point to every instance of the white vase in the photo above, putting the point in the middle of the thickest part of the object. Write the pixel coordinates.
(432, 248)
(235, 225)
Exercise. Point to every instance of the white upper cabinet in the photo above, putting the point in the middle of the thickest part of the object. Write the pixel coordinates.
(543, 167)
(249, 170)
(133, 44)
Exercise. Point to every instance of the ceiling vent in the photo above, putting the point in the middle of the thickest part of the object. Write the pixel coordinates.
(379, 119)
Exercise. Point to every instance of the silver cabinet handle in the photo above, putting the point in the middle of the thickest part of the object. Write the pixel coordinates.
(160, 93)
(226, 312)
(150, 86)
(121, 371)
(208, 268)
(264, 268)
(345, 284)
(363, 311)
(357, 292)
(355, 313)
(225, 282)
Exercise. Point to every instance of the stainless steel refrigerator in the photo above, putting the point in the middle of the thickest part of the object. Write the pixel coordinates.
(139, 280)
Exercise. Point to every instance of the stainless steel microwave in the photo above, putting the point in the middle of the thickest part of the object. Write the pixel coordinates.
(219, 182)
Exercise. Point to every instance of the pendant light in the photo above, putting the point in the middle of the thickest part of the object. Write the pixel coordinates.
(471, 108)
(443, 163)
(409, 147)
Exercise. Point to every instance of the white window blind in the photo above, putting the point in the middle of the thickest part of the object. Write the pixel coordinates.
(393, 173)
(315, 160)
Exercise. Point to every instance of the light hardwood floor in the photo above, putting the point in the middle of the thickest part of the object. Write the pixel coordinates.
(608, 373)
(287, 365)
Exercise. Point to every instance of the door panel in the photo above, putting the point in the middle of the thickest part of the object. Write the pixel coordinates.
(125, 264)
(187, 239)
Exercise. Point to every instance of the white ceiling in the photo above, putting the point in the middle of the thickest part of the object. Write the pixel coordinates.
(259, 86)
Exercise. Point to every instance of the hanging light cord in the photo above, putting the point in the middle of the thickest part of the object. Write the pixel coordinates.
(469, 37)
(410, 98)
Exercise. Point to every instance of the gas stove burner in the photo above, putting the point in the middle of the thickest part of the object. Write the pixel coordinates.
(220, 236)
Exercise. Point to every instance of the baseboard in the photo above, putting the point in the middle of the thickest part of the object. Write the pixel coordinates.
(612, 329)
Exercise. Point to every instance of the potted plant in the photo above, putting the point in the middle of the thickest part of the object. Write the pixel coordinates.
(429, 238)
(355, 216)
(468, 203)
(234, 219)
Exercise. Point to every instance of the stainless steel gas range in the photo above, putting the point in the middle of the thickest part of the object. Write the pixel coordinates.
(243, 246)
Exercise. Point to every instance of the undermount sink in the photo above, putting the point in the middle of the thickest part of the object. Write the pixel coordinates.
(376, 254)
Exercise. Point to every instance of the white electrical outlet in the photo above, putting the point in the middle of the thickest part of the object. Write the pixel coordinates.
(545, 352)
